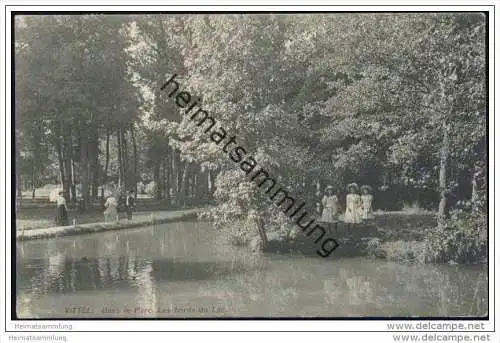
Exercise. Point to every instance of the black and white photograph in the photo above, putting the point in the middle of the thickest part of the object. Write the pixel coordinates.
(180, 165)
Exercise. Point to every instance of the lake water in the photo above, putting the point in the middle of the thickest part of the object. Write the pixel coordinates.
(188, 270)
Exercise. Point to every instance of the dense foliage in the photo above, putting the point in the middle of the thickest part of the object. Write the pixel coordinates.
(397, 101)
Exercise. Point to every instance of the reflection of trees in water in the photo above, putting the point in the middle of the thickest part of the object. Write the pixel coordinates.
(146, 293)
(409, 290)
(70, 275)
(351, 289)
(257, 291)
(24, 305)
(40, 275)
(117, 272)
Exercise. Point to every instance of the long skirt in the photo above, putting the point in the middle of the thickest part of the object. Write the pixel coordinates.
(353, 216)
(111, 214)
(366, 213)
(129, 212)
(329, 215)
(62, 216)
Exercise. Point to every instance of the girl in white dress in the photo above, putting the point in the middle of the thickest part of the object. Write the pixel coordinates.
(366, 203)
(353, 205)
(330, 204)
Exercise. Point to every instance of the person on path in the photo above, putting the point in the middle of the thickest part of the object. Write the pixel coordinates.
(130, 204)
(366, 203)
(62, 210)
(111, 212)
(353, 205)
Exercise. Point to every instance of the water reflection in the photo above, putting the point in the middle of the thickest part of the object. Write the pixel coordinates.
(60, 275)
(184, 270)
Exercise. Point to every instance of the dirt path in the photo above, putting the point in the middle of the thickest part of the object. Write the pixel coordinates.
(139, 219)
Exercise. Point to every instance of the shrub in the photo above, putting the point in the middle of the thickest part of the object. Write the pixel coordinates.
(462, 240)
(399, 251)
(404, 251)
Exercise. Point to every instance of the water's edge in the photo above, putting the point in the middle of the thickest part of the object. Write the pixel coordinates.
(60, 231)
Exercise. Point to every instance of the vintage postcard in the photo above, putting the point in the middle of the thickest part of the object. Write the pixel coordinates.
(251, 165)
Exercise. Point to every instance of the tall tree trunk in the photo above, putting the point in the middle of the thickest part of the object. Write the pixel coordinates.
(180, 172)
(33, 178)
(474, 194)
(37, 138)
(173, 177)
(72, 181)
(197, 189)
(206, 189)
(156, 180)
(205, 177)
(213, 177)
(60, 160)
(84, 169)
(134, 146)
(106, 165)
(94, 165)
(70, 168)
(125, 161)
(443, 166)
(190, 185)
(67, 147)
(476, 185)
(167, 166)
(260, 227)
(161, 180)
(120, 163)
(19, 189)
(184, 184)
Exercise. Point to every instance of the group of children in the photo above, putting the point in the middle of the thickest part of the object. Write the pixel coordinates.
(358, 208)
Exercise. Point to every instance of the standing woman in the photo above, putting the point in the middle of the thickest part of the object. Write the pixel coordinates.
(366, 203)
(111, 212)
(353, 205)
(62, 210)
(130, 204)
(330, 204)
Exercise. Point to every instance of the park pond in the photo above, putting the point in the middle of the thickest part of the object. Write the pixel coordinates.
(187, 269)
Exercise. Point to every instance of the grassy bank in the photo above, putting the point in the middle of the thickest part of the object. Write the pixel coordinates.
(395, 236)
(462, 239)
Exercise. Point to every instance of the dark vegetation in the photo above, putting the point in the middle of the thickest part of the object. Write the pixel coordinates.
(396, 101)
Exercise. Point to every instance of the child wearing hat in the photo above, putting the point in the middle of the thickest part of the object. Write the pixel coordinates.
(366, 202)
(353, 205)
(330, 204)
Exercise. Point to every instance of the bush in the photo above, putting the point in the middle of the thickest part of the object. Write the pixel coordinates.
(463, 240)
(399, 251)
(240, 234)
